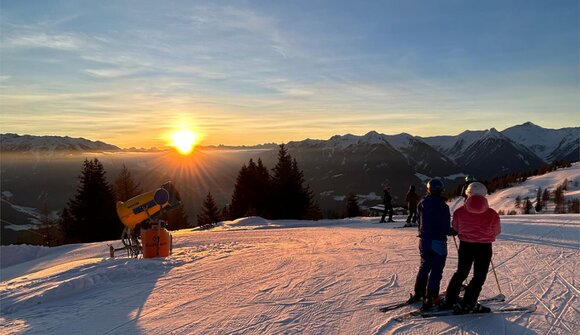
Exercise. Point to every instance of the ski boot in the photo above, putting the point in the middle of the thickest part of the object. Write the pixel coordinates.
(479, 308)
(462, 308)
(444, 304)
(414, 298)
(429, 303)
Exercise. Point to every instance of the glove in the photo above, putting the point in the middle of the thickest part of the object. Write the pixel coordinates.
(452, 232)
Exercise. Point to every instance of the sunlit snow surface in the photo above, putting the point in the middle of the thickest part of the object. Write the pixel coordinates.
(256, 276)
(287, 277)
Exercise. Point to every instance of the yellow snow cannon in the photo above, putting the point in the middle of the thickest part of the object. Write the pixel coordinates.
(140, 208)
(144, 231)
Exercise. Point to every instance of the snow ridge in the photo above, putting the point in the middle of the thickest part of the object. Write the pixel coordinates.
(36, 144)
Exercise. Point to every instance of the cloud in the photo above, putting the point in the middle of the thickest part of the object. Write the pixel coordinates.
(43, 40)
(111, 73)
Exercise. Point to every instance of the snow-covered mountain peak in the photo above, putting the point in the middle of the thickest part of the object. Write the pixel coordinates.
(493, 134)
(342, 141)
(530, 125)
(372, 137)
(548, 144)
(48, 144)
(401, 141)
(372, 134)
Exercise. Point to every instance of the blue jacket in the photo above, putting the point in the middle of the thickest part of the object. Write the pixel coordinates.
(434, 218)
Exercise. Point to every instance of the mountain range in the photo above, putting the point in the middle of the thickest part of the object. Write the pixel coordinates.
(333, 168)
(47, 144)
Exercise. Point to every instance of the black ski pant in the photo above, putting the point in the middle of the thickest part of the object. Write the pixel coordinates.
(433, 256)
(412, 214)
(470, 253)
(389, 210)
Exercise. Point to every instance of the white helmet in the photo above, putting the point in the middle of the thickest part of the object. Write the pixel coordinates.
(476, 188)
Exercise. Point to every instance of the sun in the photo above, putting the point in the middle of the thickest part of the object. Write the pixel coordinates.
(184, 141)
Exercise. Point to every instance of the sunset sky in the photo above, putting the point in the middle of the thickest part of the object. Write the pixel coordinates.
(246, 72)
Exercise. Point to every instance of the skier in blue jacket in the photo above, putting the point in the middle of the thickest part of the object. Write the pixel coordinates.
(434, 227)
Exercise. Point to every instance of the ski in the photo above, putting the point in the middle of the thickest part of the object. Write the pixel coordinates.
(396, 305)
(390, 307)
(393, 306)
(449, 312)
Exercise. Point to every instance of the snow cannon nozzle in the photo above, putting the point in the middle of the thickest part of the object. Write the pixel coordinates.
(161, 196)
(174, 196)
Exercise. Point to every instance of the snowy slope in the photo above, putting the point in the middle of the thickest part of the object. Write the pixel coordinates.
(505, 199)
(255, 276)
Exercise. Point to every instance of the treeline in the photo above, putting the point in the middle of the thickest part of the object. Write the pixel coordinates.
(91, 214)
(281, 194)
(509, 180)
(528, 205)
(543, 198)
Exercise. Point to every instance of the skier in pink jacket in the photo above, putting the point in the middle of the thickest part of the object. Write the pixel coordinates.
(477, 226)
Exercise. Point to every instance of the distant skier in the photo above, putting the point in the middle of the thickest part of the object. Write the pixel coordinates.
(468, 180)
(434, 227)
(412, 199)
(477, 226)
(387, 203)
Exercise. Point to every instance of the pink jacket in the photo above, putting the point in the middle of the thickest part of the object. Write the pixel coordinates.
(475, 221)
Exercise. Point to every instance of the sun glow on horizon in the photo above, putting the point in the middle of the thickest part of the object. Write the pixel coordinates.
(184, 141)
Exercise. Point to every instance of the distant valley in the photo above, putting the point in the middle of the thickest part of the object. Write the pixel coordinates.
(42, 171)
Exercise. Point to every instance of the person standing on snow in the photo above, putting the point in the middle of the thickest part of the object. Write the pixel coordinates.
(468, 180)
(387, 203)
(434, 227)
(477, 226)
(412, 199)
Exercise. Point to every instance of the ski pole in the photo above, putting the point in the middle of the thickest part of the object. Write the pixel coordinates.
(495, 275)
(457, 248)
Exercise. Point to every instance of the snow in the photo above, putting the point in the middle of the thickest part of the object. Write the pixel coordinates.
(401, 141)
(540, 140)
(326, 277)
(33, 217)
(505, 199)
(259, 276)
(50, 144)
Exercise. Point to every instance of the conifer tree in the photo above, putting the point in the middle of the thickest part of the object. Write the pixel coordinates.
(210, 214)
(251, 192)
(48, 227)
(314, 212)
(352, 207)
(574, 206)
(539, 204)
(290, 198)
(125, 186)
(545, 196)
(240, 203)
(518, 202)
(528, 206)
(559, 206)
(261, 188)
(176, 218)
(92, 211)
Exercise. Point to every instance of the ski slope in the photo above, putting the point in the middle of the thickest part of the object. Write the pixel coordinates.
(254, 276)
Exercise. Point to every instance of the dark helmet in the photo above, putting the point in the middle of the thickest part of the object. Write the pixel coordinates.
(469, 178)
(435, 185)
